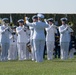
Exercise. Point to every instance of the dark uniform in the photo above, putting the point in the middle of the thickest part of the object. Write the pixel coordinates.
(57, 45)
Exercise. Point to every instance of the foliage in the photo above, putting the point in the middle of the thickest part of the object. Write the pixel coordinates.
(16, 17)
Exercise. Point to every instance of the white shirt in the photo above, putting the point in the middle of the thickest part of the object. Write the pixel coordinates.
(22, 35)
(31, 32)
(13, 39)
(5, 31)
(38, 30)
(51, 30)
(64, 31)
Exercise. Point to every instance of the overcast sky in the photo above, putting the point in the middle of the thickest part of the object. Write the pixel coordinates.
(38, 6)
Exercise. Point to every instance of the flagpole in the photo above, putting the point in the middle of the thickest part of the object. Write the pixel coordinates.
(11, 21)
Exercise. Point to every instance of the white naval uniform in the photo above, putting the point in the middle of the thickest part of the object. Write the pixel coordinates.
(5, 42)
(22, 40)
(31, 42)
(38, 39)
(50, 41)
(71, 53)
(12, 52)
(64, 40)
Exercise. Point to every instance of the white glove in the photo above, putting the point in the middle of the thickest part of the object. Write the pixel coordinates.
(45, 20)
(27, 18)
(67, 27)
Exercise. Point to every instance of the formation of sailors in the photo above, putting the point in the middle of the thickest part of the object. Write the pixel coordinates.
(27, 41)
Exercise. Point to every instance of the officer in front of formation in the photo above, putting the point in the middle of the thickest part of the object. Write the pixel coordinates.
(39, 37)
(64, 31)
(5, 42)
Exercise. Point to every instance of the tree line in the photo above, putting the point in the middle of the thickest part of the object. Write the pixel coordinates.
(71, 18)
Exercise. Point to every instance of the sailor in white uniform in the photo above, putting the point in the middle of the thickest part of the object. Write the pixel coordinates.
(39, 38)
(12, 52)
(35, 19)
(50, 38)
(22, 40)
(5, 42)
(64, 30)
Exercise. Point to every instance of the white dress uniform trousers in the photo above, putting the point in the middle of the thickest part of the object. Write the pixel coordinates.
(22, 40)
(12, 52)
(50, 41)
(5, 42)
(31, 42)
(64, 40)
(38, 39)
(71, 53)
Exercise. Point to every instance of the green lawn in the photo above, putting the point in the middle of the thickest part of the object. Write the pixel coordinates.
(54, 67)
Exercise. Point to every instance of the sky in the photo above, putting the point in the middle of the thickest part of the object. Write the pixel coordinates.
(38, 6)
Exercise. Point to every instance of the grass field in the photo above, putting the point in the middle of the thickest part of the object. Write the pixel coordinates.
(54, 67)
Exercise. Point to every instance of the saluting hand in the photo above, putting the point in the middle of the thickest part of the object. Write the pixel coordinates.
(26, 18)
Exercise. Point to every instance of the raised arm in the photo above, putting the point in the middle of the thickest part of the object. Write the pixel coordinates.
(62, 31)
(3, 30)
(18, 31)
(30, 24)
